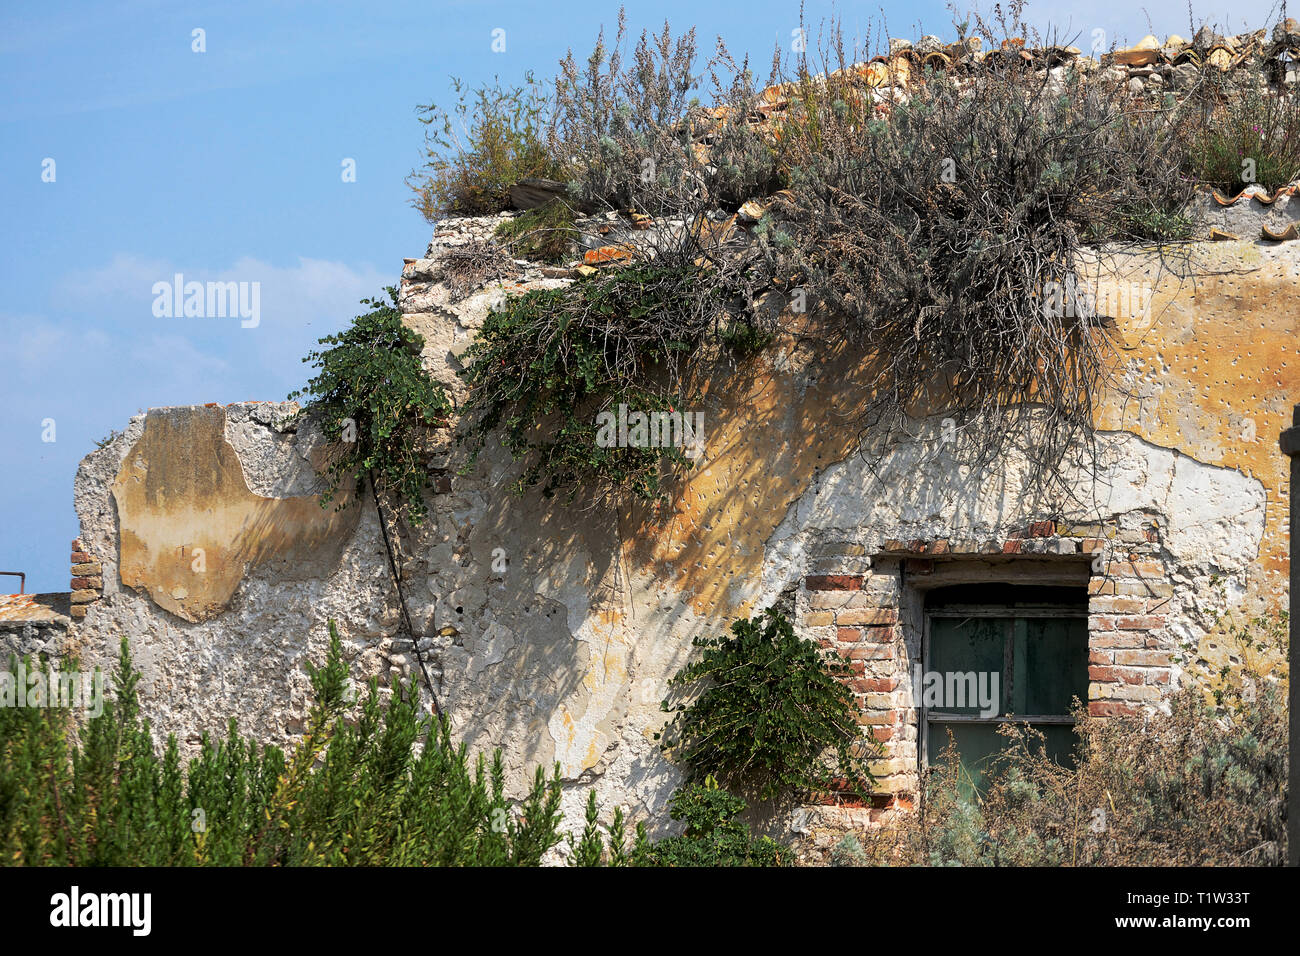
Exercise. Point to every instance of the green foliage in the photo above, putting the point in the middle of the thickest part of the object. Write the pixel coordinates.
(375, 402)
(848, 852)
(108, 439)
(713, 837)
(1246, 136)
(547, 363)
(745, 338)
(924, 223)
(774, 717)
(490, 139)
(590, 848)
(543, 234)
(355, 791)
(1143, 219)
(609, 847)
(628, 116)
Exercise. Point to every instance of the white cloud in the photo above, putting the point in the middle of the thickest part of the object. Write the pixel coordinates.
(298, 304)
(175, 354)
(103, 347)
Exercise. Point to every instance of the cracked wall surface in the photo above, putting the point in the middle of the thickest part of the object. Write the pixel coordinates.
(552, 630)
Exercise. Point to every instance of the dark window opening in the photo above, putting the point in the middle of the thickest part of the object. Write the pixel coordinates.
(999, 653)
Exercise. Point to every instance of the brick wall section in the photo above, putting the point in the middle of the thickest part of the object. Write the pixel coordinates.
(856, 615)
(854, 609)
(87, 579)
(1130, 657)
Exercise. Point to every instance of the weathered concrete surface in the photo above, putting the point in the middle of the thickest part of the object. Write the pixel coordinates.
(1214, 373)
(32, 623)
(551, 630)
(189, 526)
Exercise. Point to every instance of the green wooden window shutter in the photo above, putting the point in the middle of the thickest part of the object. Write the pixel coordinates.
(1040, 657)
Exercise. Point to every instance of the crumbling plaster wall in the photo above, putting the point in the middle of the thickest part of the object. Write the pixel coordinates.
(564, 655)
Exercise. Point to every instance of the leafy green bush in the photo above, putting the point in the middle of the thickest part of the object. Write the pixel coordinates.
(374, 400)
(547, 363)
(774, 717)
(713, 837)
(493, 137)
(355, 791)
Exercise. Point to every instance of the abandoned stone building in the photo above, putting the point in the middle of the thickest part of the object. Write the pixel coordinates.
(551, 630)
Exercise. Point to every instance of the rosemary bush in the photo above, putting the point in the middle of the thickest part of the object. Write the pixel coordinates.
(627, 120)
(358, 790)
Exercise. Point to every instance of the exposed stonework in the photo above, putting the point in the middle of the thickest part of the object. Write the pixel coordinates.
(87, 580)
(32, 623)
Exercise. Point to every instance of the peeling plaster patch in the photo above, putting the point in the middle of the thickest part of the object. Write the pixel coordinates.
(568, 582)
(273, 447)
(491, 649)
(189, 525)
(1213, 517)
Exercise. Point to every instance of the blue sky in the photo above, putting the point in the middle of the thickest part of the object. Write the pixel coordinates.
(226, 165)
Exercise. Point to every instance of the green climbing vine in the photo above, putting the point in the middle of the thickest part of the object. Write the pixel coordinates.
(375, 404)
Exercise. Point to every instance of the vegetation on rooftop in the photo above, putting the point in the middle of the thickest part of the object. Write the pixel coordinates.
(926, 227)
(1241, 136)
(543, 234)
(492, 137)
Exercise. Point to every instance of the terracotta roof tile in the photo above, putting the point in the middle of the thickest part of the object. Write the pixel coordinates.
(33, 607)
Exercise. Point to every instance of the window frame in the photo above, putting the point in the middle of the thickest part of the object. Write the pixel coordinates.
(966, 611)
